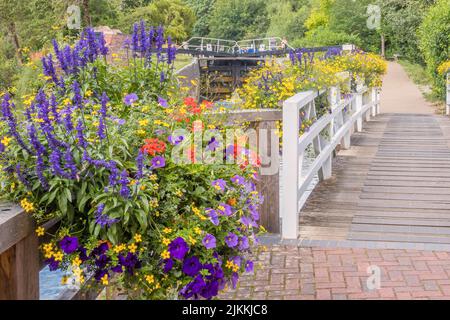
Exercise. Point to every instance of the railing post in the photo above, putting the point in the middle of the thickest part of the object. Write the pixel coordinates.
(291, 128)
(374, 102)
(447, 109)
(358, 107)
(19, 256)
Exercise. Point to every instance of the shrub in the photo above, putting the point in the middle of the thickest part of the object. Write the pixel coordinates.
(323, 36)
(434, 36)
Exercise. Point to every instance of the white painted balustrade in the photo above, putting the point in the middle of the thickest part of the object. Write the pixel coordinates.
(346, 115)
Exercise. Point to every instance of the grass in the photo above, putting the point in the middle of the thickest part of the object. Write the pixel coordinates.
(419, 75)
(182, 60)
(416, 73)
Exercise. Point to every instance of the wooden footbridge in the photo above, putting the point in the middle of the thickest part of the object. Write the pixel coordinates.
(383, 162)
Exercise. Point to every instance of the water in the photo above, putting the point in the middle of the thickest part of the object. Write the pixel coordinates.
(50, 284)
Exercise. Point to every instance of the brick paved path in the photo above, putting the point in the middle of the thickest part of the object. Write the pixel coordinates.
(294, 273)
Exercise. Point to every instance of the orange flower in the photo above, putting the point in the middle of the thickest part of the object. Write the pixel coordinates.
(153, 147)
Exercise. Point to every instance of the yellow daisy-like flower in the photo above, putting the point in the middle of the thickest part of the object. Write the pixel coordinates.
(40, 231)
(150, 278)
(165, 241)
(6, 140)
(132, 247)
(76, 262)
(192, 240)
(167, 230)
(27, 206)
(197, 230)
(153, 177)
(165, 254)
(58, 256)
(138, 238)
(144, 123)
(105, 280)
(88, 93)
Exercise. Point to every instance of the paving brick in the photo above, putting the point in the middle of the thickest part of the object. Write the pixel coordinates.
(339, 274)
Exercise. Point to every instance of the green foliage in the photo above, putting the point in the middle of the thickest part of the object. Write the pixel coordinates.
(239, 19)
(434, 36)
(323, 36)
(176, 17)
(320, 14)
(400, 20)
(350, 17)
(202, 10)
(287, 19)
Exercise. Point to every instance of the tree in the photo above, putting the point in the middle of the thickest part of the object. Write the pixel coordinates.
(434, 38)
(351, 18)
(202, 10)
(400, 21)
(287, 19)
(239, 19)
(177, 18)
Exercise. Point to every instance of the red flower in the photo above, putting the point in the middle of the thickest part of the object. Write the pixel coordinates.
(190, 102)
(153, 147)
(207, 104)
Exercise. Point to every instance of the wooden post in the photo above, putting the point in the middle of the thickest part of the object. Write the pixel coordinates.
(19, 256)
(269, 184)
(19, 271)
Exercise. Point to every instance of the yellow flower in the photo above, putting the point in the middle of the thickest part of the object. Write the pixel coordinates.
(197, 230)
(48, 247)
(153, 177)
(132, 247)
(150, 278)
(119, 248)
(5, 141)
(167, 230)
(104, 280)
(27, 206)
(144, 123)
(76, 262)
(138, 238)
(64, 280)
(165, 254)
(88, 93)
(58, 256)
(67, 101)
(179, 193)
(192, 240)
(40, 231)
(165, 241)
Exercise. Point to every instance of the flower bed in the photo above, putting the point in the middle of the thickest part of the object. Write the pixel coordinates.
(96, 148)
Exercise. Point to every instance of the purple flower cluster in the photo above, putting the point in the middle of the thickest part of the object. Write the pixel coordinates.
(90, 46)
(103, 219)
(146, 41)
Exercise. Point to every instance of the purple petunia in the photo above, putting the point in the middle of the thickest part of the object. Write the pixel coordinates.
(178, 248)
(158, 162)
(2, 147)
(168, 265)
(231, 240)
(52, 264)
(225, 209)
(163, 102)
(243, 243)
(237, 179)
(213, 216)
(249, 266)
(213, 144)
(191, 266)
(130, 99)
(175, 140)
(69, 244)
(209, 241)
(219, 184)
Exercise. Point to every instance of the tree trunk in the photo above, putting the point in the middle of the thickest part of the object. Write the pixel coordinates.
(86, 13)
(383, 46)
(15, 40)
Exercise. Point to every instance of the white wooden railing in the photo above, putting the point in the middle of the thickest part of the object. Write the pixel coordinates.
(335, 127)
